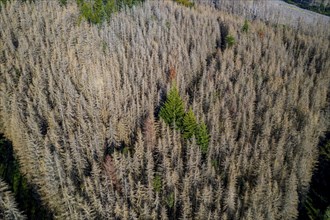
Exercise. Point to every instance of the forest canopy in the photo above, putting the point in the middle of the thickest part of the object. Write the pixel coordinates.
(162, 109)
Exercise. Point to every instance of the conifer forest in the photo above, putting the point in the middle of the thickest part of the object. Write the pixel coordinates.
(164, 109)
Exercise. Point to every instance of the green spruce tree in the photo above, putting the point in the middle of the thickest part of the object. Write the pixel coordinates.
(189, 124)
(99, 13)
(173, 110)
(202, 137)
(230, 41)
(110, 8)
(246, 26)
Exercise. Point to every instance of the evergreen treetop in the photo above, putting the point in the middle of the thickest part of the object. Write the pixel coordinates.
(173, 110)
(202, 137)
(189, 124)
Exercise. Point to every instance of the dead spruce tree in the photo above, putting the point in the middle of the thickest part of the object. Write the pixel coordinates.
(8, 205)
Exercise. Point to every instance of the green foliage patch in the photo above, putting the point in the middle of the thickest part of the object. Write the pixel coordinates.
(189, 124)
(186, 3)
(157, 183)
(202, 137)
(173, 110)
(98, 11)
(170, 200)
(230, 40)
(246, 26)
(174, 115)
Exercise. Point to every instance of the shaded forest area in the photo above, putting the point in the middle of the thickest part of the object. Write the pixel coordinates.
(317, 204)
(142, 116)
(26, 197)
